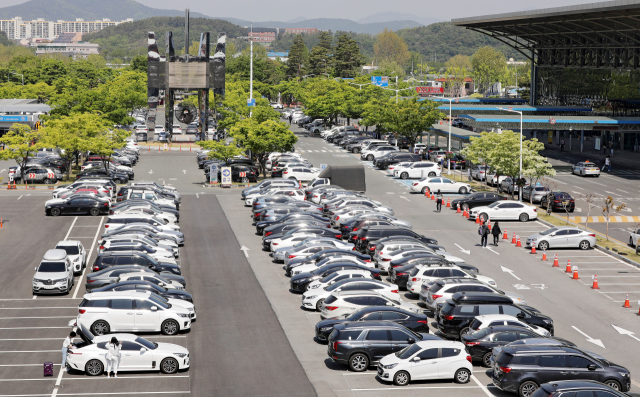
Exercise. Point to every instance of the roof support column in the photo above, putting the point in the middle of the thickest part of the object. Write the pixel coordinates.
(534, 80)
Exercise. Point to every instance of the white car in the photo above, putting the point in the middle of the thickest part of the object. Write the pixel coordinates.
(634, 237)
(276, 105)
(297, 116)
(420, 169)
(54, 274)
(431, 359)
(158, 253)
(106, 312)
(119, 220)
(167, 245)
(146, 209)
(337, 305)
(377, 151)
(75, 252)
(113, 167)
(309, 267)
(397, 166)
(303, 174)
(505, 210)
(495, 179)
(142, 128)
(445, 185)
(306, 250)
(491, 320)
(158, 129)
(585, 168)
(288, 191)
(479, 172)
(287, 245)
(366, 202)
(433, 295)
(438, 155)
(314, 298)
(82, 184)
(137, 354)
(424, 274)
(176, 129)
(152, 278)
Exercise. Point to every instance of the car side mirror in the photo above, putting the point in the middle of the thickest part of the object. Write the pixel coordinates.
(339, 289)
(389, 304)
(143, 349)
(154, 308)
(520, 315)
(416, 359)
(35, 268)
(592, 367)
(411, 341)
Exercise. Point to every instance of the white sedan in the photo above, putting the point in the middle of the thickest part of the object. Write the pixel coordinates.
(505, 210)
(397, 166)
(377, 151)
(314, 298)
(420, 169)
(290, 192)
(280, 249)
(306, 251)
(494, 320)
(300, 173)
(445, 185)
(138, 354)
(586, 168)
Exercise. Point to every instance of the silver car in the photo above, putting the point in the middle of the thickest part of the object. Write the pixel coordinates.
(562, 237)
(538, 192)
(370, 216)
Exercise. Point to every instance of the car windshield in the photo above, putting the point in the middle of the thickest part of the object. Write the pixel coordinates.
(51, 267)
(146, 343)
(329, 277)
(69, 249)
(160, 301)
(492, 205)
(408, 351)
(549, 231)
(481, 333)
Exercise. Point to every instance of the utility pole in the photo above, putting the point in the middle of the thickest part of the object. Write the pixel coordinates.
(251, 67)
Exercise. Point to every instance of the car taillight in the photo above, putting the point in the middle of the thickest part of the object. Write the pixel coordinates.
(96, 268)
(338, 235)
(337, 217)
(372, 248)
(110, 212)
(401, 274)
(291, 256)
(506, 370)
(367, 260)
(335, 344)
(314, 196)
(266, 216)
(556, 201)
(286, 172)
(106, 226)
(415, 278)
(395, 291)
(355, 229)
(386, 259)
(469, 359)
(102, 247)
(72, 352)
(415, 184)
(331, 308)
(106, 204)
(255, 203)
(81, 311)
(448, 317)
(434, 296)
(268, 234)
(472, 343)
(90, 281)
(423, 321)
(274, 243)
(592, 235)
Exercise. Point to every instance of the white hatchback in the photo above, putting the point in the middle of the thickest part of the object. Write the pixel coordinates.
(492, 320)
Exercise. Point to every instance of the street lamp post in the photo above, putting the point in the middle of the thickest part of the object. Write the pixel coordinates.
(18, 74)
(401, 89)
(450, 122)
(520, 173)
(360, 85)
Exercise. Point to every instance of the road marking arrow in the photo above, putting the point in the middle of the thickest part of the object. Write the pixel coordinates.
(468, 252)
(506, 270)
(3, 170)
(184, 171)
(245, 249)
(623, 331)
(150, 171)
(590, 339)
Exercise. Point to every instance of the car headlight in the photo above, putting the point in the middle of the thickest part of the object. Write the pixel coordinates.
(491, 282)
(625, 374)
(390, 366)
(302, 280)
(183, 315)
(62, 280)
(548, 322)
(534, 239)
(35, 280)
(325, 329)
(314, 286)
(311, 297)
(181, 355)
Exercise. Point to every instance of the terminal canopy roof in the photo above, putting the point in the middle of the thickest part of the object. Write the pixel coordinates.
(489, 109)
(533, 122)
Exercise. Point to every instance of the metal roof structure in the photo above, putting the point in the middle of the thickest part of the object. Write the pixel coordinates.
(456, 133)
(503, 101)
(603, 35)
(488, 109)
(530, 122)
(14, 106)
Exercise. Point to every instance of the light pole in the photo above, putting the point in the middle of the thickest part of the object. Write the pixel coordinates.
(251, 69)
(360, 85)
(520, 173)
(450, 122)
(18, 74)
(401, 89)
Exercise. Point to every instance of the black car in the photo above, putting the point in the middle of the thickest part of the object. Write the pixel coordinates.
(278, 212)
(317, 231)
(285, 227)
(458, 313)
(417, 322)
(111, 275)
(324, 254)
(118, 177)
(363, 343)
(456, 162)
(559, 201)
(138, 285)
(522, 369)
(580, 388)
(323, 260)
(476, 200)
(384, 163)
(296, 216)
(299, 282)
(78, 205)
(127, 258)
(368, 236)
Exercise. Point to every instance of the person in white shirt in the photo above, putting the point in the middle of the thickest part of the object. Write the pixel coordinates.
(113, 357)
(67, 344)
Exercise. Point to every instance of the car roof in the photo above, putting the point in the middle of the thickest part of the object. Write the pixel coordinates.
(477, 297)
(568, 385)
(67, 243)
(524, 349)
(439, 342)
(55, 255)
(446, 281)
(370, 324)
(340, 294)
(116, 294)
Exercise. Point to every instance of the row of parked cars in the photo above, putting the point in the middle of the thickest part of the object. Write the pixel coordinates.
(349, 257)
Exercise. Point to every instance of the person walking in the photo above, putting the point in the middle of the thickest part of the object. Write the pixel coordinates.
(607, 163)
(484, 233)
(495, 231)
(562, 145)
(439, 199)
(290, 118)
(67, 344)
(113, 357)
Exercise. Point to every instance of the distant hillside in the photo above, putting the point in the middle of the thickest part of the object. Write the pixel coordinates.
(333, 24)
(127, 39)
(446, 40)
(387, 16)
(69, 10)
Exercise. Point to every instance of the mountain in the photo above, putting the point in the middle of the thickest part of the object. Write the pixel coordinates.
(333, 24)
(90, 10)
(298, 19)
(390, 16)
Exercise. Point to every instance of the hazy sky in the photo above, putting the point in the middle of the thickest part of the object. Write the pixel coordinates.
(283, 10)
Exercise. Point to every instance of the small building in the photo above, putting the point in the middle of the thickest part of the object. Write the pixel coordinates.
(22, 111)
(300, 30)
(451, 88)
(75, 50)
(263, 35)
(283, 56)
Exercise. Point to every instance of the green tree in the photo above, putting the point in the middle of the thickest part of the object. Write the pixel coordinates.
(389, 47)
(219, 150)
(139, 63)
(346, 57)
(105, 142)
(320, 56)
(20, 144)
(52, 69)
(410, 117)
(322, 98)
(458, 67)
(489, 66)
(298, 58)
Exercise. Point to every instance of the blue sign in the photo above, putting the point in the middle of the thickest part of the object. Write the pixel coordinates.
(213, 173)
(14, 118)
(323, 166)
(380, 81)
(251, 102)
(225, 180)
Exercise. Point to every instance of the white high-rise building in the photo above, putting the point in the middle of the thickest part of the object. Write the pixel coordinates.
(17, 28)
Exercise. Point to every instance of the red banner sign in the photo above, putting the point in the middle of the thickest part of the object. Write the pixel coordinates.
(430, 90)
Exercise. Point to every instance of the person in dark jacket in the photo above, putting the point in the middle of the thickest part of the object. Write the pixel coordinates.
(485, 234)
(439, 200)
(496, 233)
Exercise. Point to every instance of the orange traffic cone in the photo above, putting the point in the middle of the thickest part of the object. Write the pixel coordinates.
(489, 224)
(426, 193)
(0, 223)
(448, 203)
(518, 243)
(595, 282)
(575, 273)
(555, 261)
(477, 220)
(505, 235)
(458, 210)
(464, 213)
(433, 197)
(544, 255)
(513, 240)
(568, 268)
(626, 302)
(533, 249)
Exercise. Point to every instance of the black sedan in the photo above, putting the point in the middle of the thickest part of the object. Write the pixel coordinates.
(456, 162)
(476, 200)
(79, 205)
(146, 286)
(260, 226)
(117, 177)
(560, 201)
(299, 282)
(285, 227)
(417, 322)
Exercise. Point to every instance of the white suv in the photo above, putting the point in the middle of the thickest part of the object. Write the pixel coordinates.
(344, 303)
(54, 274)
(377, 151)
(152, 278)
(116, 221)
(425, 274)
(75, 252)
(106, 312)
(314, 298)
(433, 295)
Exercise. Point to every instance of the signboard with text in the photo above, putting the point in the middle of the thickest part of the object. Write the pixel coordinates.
(429, 90)
(380, 81)
(213, 173)
(225, 178)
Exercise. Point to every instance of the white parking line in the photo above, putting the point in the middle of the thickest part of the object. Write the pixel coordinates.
(34, 308)
(419, 388)
(75, 293)
(32, 351)
(20, 318)
(69, 231)
(90, 378)
(36, 328)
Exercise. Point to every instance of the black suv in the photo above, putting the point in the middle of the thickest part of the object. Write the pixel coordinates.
(476, 200)
(401, 157)
(299, 282)
(126, 258)
(368, 236)
(458, 312)
(580, 387)
(363, 343)
(417, 322)
(522, 369)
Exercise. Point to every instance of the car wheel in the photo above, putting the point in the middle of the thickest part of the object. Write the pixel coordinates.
(527, 388)
(48, 181)
(465, 207)
(169, 365)
(424, 190)
(320, 305)
(464, 331)
(613, 384)
(483, 217)
(486, 360)
(94, 212)
(93, 368)
(55, 211)
(359, 362)
(370, 157)
(584, 245)
(100, 328)
(355, 150)
(432, 174)
(404, 175)
(463, 190)
(170, 327)
(462, 375)
(543, 245)
(523, 217)
(401, 378)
